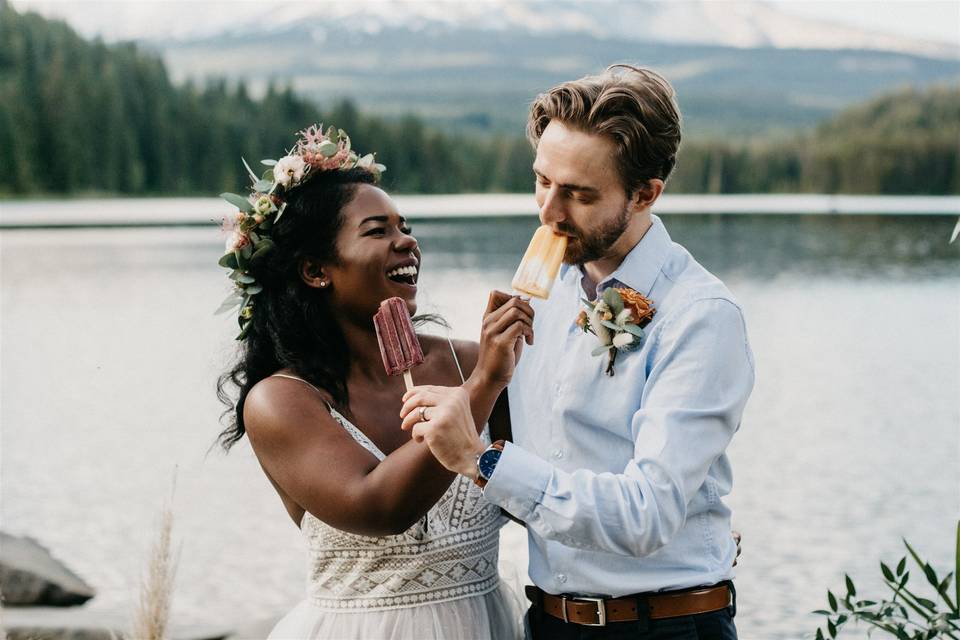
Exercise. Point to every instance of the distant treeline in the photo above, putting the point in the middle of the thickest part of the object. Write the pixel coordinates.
(83, 117)
(79, 116)
(907, 142)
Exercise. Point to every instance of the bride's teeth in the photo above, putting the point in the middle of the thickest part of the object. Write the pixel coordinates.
(403, 271)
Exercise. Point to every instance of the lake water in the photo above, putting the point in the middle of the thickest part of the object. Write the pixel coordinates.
(850, 441)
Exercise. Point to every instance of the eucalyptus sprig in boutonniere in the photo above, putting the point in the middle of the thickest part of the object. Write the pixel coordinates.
(617, 319)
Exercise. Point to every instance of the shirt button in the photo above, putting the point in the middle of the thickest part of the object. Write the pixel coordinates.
(558, 453)
(561, 577)
(559, 387)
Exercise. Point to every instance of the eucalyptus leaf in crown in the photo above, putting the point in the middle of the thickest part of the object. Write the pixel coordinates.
(248, 230)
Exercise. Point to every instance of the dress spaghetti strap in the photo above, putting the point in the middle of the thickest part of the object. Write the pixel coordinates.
(283, 375)
(350, 428)
(456, 360)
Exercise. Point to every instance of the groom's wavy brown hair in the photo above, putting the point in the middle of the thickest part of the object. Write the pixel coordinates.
(636, 107)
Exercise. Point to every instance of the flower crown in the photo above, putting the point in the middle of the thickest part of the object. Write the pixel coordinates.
(248, 239)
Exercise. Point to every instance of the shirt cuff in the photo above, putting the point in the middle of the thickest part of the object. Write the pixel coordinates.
(518, 481)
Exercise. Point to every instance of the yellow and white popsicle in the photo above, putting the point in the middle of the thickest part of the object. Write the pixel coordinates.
(540, 263)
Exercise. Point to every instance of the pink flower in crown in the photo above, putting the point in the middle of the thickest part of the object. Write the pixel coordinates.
(311, 155)
(313, 147)
(231, 222)
(237, 240)
(336, 160)
(312, 135)
(308, 146)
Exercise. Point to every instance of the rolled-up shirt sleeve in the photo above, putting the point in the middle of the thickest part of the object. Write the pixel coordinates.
(700, 375)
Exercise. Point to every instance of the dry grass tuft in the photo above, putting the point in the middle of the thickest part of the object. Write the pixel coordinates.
(3, 629)
(156, 588)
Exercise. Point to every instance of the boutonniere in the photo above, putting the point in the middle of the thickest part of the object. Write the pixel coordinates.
(617, 319)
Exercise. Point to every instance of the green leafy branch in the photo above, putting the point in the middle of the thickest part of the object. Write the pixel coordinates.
(906, 615)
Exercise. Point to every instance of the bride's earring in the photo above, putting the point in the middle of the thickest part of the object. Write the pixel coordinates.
(311, 272)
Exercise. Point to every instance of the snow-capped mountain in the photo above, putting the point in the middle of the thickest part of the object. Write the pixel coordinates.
(742, 24)
(742, 67)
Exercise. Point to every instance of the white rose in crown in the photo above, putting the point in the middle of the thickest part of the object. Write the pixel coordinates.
(288, 170)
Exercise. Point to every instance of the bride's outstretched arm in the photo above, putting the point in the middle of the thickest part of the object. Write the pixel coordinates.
(323, 469)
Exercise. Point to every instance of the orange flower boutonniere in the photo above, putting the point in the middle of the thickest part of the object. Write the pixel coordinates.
(617, 319)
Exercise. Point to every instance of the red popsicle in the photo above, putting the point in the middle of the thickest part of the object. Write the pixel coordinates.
(399, 346)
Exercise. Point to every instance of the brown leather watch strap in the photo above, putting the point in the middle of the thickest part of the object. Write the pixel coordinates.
(600, 611)
(481, 481)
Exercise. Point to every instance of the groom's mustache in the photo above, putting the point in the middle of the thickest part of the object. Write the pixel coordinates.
(568, 231)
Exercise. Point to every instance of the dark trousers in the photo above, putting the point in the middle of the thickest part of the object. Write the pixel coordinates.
(716, 625)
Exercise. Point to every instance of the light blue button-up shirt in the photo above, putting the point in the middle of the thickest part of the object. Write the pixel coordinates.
(621, 479)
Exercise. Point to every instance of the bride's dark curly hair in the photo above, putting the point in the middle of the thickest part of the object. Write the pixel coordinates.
(292, 325)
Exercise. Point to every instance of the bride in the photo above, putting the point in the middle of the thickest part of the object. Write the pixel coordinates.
(398, 546)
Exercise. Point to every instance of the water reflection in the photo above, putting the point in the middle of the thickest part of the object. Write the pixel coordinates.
(755, 247)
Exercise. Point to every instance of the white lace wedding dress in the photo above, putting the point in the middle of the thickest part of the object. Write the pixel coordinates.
(437, 580)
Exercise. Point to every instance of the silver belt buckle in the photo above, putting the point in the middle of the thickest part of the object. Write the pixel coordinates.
(601, 612)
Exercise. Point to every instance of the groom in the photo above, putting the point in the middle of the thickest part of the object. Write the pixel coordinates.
(619, 478)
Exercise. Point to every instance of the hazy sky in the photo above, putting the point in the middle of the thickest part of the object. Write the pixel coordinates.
(937, 20)
(926, 19)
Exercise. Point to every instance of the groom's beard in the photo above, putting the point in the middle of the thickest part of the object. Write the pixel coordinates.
(583, 248)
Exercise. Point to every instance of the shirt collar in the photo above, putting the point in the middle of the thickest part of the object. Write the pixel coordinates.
(641, 266)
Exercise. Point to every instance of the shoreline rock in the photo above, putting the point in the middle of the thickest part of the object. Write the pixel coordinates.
(30, 575)
(79, 623)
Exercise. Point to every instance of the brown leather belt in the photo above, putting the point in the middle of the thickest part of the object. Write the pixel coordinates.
(599, 611)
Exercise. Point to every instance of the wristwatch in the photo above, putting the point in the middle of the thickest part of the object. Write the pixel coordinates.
(487, 462)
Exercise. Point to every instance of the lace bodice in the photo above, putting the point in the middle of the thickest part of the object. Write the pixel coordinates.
(451, 553)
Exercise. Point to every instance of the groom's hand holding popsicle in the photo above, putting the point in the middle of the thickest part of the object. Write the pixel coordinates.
(507, 324)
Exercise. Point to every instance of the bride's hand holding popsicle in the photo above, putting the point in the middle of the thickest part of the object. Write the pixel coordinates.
(446, 417)
(442, 417)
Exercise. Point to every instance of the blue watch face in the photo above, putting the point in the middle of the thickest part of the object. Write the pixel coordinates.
(488, 462)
